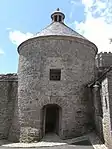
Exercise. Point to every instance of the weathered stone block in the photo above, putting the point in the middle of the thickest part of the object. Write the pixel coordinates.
(28, 135)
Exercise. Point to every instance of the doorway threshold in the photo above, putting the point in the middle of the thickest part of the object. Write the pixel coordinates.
(51, 137)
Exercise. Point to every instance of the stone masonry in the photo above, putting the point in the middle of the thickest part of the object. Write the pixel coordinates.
(59, 71)
(8, 94)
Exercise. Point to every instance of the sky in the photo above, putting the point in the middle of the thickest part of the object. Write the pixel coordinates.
(21, 19)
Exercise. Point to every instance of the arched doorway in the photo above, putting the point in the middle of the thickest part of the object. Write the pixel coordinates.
(51, 119)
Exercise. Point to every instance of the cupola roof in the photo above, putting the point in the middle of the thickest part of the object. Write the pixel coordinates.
(58, 27)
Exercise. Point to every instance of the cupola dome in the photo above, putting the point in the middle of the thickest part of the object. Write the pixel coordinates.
(58, 16)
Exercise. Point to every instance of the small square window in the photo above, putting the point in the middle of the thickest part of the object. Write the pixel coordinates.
(55, 74)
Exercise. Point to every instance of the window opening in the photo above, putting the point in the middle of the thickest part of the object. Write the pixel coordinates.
(55, 74)
(60, 19)
(55, 18)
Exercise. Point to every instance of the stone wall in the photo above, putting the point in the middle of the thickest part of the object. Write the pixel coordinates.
(98, 113)
(104, 59)
(104, 121)
(106, 112)
(102, 110)
(109, 75)
(8, 93)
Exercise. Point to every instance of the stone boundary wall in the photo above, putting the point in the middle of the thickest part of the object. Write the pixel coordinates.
(8, 94)
(9, 77)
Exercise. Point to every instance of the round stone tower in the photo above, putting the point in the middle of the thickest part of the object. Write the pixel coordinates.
(55, 67)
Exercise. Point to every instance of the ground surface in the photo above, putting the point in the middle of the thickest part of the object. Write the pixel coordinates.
(59, 147)
(52, 141)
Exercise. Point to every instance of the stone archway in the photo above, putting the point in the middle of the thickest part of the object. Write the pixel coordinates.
(51, 119)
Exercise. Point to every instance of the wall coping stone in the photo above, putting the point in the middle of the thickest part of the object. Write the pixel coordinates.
(9, 77)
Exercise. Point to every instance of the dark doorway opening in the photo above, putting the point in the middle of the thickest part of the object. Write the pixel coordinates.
(52, 119)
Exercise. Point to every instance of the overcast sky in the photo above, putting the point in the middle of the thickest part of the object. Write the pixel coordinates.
(20, 19)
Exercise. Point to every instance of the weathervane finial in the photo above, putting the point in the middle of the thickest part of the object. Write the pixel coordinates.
(58, 9)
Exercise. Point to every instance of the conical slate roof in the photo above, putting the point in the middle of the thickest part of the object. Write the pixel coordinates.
(58, 28)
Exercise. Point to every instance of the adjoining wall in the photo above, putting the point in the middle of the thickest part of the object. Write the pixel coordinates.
(106, 112)
(104, 121)
(104, 60)
(8, 93)
(109, 75)
(102, 111)
(98, 113)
